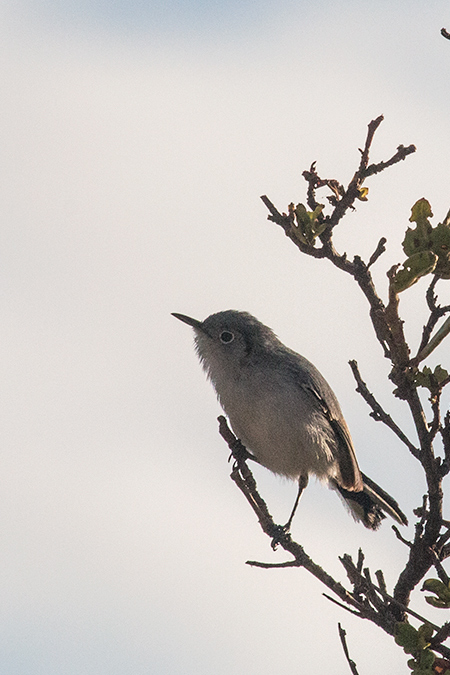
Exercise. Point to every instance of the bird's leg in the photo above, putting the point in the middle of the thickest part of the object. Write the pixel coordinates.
(302, 483)
(283, 531)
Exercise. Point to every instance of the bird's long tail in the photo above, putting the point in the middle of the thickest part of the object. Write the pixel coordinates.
(371, 504)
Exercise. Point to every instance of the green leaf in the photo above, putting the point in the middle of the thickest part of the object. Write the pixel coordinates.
(418, 238)
(302, 215)
(420, 213)
(307, 226)
(426, 659)
(407, 637)
(416, 266)
(439, 604)
(435, 585)
(440, 245)
(415, 241)
(440, 589)
(424, 633)
(429, 379)
(440, 374)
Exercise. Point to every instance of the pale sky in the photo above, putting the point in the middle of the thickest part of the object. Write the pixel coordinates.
(136, 139)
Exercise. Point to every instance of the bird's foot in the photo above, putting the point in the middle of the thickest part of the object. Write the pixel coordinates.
(280, 533)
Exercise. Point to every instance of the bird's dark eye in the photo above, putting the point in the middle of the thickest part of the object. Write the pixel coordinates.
(226, 337)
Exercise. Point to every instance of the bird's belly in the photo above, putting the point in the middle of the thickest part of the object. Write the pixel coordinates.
(291, 442)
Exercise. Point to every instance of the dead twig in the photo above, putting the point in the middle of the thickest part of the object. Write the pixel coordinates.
(378, 414)
(351, 663)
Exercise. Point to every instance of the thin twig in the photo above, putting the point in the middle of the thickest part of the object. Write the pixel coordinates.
(381, 580)
(402, 153)
(378, 413)
(436, 312)
(372, 127)
(340, 604)
(267, 566)
(275, 215)
(445, 435)
(441, 636)
(351, 663)
(442, 574)
(362, 583)
(389, 331)
(244, 479)
(380, 249)
(435, 341)
(400, 537)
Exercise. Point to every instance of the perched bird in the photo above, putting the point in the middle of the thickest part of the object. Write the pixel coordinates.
(284, 411)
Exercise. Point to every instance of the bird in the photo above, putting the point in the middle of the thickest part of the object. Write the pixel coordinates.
(284, 412)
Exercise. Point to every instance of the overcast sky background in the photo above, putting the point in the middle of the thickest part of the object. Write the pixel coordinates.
(136, 138)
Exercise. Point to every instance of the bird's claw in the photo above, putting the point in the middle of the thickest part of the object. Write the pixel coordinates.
(280, 533)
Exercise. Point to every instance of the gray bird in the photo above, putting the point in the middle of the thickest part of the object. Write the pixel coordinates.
(284, 411)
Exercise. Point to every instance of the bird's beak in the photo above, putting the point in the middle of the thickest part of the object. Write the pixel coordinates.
(187, 319)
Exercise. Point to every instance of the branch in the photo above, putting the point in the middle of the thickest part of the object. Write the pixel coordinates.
(428, 545)
(445, 435)
(351, 663)
(445, 33)
(364, 171)
(380, 249)
(353, 189)
(436, 312)
(244, 479)
(378, 414)
(435, 341)
(368, 607)
(402, 153)
(339, 604)
(358, 269)
(364, 584)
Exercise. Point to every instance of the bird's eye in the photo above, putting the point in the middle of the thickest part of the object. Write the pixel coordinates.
(226, 337)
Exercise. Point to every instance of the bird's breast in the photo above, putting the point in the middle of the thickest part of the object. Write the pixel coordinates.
(277, 423)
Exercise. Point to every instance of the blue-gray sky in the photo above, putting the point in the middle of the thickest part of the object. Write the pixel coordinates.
(136, 139)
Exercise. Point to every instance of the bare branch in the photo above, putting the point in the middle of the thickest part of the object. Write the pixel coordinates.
(381, 581)
(268, 566)
(435, 341)
(340, 604)
(378, 414)
(442, 574)
(400, 537)
(436, 312)
(372, 127)
(429, 547)
(277, 217)
(244, 479)
(365, 589)
(363, 584)
(442, 635)
(402, 153)
(445, 435)
(351, 663)
(380, 249)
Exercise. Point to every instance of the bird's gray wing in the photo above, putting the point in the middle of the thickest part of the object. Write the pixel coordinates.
(351, 478)
(324, 400)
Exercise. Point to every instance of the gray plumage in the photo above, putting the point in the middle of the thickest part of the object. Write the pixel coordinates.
(284, 411)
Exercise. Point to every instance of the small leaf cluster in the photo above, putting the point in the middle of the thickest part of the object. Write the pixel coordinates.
(430, 379)
(307, 224)
(417, 643)
(427, 248)
(440, 590)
